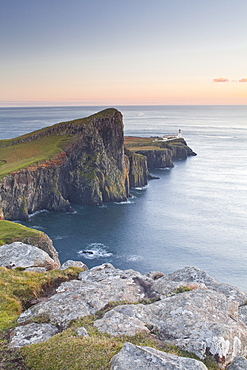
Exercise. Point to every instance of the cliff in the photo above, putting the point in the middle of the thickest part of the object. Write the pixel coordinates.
(80, 161)
(159, 153)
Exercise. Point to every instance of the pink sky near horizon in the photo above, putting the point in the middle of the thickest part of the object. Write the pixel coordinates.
(180, 52)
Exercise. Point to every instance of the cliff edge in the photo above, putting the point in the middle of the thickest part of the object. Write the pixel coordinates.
(80, 161)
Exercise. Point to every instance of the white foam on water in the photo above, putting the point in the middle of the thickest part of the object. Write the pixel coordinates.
(95, 250)
(37, 212)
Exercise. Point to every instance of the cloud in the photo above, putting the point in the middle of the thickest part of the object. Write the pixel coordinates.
(221, 79)
(243, 80)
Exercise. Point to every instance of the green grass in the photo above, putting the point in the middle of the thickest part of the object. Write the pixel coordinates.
(11, 232)
(21, 155)
(68, 351)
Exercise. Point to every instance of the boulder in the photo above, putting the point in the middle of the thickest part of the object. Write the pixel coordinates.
(124, 320)
(95, 289)
(239, 363)
(71, 263)
(143, 358)
(23, 255)
(82, 332)
(30, 334)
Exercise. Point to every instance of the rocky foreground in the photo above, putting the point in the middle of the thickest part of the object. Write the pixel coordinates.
(187, 308)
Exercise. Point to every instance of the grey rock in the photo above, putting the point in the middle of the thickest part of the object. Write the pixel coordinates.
(193, 274)
(243, 313)
(97, 287)
(165, 287)
(239, 363)
(124, 320)
(82, 332)
(199, 321)
(30, 334)
(71, 263)
(143, 358)
(23, 255)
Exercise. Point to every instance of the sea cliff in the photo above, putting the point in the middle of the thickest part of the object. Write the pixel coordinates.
(85, 161)
(80, 161)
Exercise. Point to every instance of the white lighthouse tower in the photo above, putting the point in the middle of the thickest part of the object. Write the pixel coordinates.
(179, 133)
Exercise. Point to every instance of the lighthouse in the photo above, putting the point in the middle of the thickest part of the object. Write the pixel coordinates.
(179, 133)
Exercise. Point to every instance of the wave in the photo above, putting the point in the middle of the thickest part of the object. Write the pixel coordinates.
(95, 250)
(128, 201)
(140, 188)
(37, 212)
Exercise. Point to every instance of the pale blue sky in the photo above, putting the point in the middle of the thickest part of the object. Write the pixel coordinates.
(123, 52)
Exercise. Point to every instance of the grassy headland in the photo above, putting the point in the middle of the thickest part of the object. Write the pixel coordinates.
(12, 232)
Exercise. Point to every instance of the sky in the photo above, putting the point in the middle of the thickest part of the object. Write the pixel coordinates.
(122, 52)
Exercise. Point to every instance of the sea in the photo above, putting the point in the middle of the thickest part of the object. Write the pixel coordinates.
(195, 214)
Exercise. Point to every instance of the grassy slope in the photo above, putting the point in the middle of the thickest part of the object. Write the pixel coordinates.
(11, 232)
(145, 143)
(14, 156)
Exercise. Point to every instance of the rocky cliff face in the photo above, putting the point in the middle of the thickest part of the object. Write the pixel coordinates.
(90, 169)
(178, 148)
(158, 158)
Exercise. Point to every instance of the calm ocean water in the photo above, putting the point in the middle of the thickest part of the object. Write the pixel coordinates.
(194, 215)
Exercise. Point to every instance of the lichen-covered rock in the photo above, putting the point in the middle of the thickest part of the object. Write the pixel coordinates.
(23, 255)
(133, 357)
(30, 334)
(97, 287)
(124, 320)
(193, 274)
(243, 313)
(199, 321)
(71, 263)
(238, 363)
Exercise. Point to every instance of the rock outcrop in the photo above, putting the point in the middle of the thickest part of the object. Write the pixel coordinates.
(143, 358)
(11, 232)
(187, 309)
(88, 167)
(157, 158)
(179, 148)
(25, 256)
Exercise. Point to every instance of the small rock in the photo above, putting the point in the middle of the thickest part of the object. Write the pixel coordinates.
(133, 357)
(30, 334)
(239, 363)
(82, 332)
(71, 263)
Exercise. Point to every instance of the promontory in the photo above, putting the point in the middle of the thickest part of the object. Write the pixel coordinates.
(83, 161)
